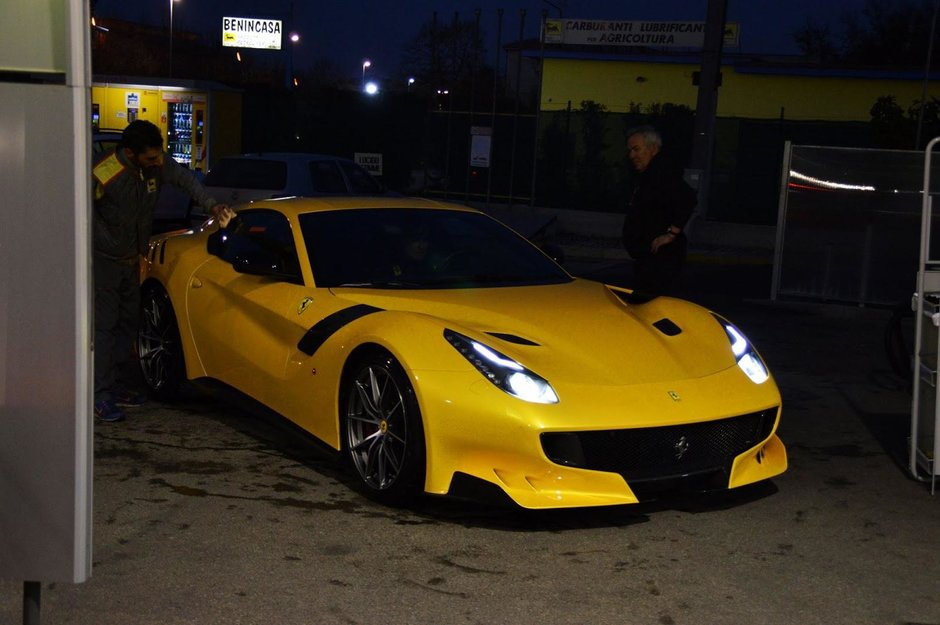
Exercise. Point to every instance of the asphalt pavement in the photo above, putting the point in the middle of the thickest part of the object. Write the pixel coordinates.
(206, 512)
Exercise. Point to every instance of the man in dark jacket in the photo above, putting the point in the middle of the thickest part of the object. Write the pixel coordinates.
(659, 208)
(126, 182)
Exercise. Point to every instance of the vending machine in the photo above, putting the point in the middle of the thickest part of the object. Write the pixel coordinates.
(179, 124)
(181, 114)
(186, 133)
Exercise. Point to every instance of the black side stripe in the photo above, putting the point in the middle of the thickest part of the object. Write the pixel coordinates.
(326, 327)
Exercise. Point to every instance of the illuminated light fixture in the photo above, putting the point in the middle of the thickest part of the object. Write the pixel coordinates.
(745, 356)
(294, 37)
(828, 184)
(370, 88)
(238, 56)
(503, 372)
(738, 342)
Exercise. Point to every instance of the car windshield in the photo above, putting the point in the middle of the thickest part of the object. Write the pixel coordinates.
(419, 248)
(360, 181)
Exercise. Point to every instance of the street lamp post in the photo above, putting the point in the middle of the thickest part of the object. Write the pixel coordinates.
(290, 79)
(170, 69)
(366, 63)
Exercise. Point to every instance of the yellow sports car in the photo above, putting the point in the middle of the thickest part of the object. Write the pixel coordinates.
(438, 351)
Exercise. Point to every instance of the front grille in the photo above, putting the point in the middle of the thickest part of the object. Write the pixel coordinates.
(661, 453)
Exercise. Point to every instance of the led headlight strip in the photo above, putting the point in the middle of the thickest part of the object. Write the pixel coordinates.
(505, 373)
(748, 360)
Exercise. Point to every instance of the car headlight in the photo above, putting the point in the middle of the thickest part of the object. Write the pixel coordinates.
(502, 371)
(747, 358)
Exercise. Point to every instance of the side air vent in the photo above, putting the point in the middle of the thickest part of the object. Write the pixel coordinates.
(512, 338)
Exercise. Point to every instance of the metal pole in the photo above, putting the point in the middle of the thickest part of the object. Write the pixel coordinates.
(923, 97)
(781, 220)
(499, 44)
(922, 287)
(170, 71)
(450, 110)
(538, 106)
(31, 596)
(515, 119)
(289, 73)
(706, 106)
(473, 88)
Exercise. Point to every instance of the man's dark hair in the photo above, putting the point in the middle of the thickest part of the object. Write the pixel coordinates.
(141, 135)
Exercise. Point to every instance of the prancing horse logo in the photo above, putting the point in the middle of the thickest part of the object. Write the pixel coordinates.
(681, 447)
(674, 395)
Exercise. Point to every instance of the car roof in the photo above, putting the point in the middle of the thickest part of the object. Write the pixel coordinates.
(293, 206)
(287, 156)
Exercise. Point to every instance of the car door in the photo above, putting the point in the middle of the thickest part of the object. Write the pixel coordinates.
(244, 314)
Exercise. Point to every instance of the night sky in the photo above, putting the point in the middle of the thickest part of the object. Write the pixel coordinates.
(347, 31)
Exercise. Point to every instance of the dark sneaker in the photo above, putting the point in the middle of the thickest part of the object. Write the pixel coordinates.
(127, 397)
(107, 411)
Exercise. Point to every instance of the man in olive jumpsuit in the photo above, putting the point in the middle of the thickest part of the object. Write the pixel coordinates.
(126, 182)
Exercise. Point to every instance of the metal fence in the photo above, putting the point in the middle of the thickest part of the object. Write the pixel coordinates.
(849, 224)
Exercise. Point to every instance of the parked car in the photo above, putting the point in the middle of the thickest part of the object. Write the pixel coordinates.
(247, 177)
(174, 208)
(104, 140)
(436, 350)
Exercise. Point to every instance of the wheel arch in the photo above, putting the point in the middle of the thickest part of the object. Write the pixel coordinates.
(193, 364)
(358, 356)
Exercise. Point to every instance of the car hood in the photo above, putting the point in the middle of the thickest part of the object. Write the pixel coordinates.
(581, 331)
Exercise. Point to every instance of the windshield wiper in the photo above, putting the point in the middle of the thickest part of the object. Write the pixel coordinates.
(380, 284)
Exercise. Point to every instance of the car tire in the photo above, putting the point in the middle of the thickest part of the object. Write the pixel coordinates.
(159, 349)
(381, 429)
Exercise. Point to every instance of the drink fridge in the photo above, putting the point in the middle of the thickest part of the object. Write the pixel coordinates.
(185, 129)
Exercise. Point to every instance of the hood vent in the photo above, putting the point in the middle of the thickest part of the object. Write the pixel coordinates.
(634, 297)
(512, 338)
(667, 327)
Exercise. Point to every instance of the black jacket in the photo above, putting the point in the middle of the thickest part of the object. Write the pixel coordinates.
(660, 198)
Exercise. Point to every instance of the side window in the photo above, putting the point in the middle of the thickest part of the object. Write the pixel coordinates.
(259, 242)
(360, 181)
(248, 173)
(327, 178)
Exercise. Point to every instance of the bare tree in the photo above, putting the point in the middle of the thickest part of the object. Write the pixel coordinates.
(891, 33)
(444, 52)
(816, 41)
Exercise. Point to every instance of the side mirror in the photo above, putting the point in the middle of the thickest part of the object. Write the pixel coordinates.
(215, 244)
(258, 262)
